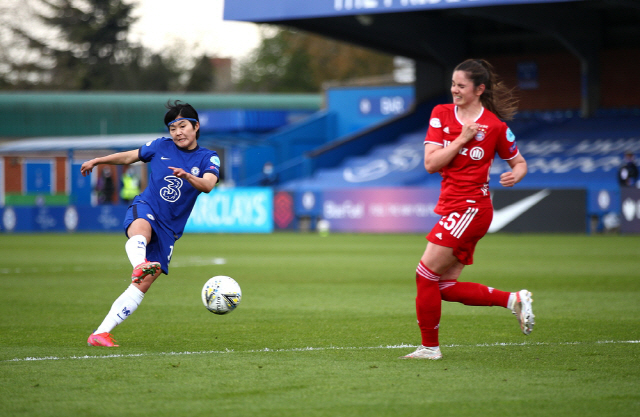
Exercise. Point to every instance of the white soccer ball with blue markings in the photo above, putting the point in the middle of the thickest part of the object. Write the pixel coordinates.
(221, 294)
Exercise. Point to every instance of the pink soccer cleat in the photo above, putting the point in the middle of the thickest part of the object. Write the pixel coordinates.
(144, 269)
(101, 339)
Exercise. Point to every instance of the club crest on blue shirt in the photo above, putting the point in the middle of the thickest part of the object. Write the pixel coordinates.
(195, 171)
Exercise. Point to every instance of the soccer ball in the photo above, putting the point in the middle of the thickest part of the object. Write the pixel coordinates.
(221, 294)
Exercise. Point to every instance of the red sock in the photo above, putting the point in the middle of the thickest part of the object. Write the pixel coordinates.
(472, 294)
(428, 305)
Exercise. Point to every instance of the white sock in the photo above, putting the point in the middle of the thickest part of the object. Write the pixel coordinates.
(512, 300)
(122, 308)
(136, 248)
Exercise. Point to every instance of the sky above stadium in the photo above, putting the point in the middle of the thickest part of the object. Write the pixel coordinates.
(196, 23)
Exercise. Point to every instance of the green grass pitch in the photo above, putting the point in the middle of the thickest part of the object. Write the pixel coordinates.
(319, 330)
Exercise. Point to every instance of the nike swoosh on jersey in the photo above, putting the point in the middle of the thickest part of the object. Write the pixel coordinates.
(164, 158)
(506, 215)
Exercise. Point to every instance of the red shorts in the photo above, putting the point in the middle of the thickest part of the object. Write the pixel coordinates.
(461, 230)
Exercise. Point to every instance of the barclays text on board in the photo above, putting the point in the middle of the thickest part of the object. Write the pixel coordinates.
(246, 210)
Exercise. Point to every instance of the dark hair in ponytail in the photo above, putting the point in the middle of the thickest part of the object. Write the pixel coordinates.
(497, 97)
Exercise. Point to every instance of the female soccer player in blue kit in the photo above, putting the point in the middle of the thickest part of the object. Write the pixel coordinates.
(179, 171)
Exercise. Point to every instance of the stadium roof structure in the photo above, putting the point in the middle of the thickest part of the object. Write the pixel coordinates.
(435, 29)
(76, 143)
(57, 113)
(157, 100)
(438, 34)
(271, 10)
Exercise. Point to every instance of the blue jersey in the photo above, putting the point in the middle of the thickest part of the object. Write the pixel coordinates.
(170, 197)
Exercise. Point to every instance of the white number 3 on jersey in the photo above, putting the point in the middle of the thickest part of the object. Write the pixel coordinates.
(171, 192)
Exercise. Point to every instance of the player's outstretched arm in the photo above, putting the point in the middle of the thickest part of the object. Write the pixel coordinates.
(120, 158)
(518, 171)
(204, 184)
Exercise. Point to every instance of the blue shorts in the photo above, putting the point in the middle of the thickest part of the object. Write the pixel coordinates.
(160, 248)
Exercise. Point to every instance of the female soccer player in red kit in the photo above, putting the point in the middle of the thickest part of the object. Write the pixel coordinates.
(462, 140)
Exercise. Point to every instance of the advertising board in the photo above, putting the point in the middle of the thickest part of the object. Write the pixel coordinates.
(233, 210)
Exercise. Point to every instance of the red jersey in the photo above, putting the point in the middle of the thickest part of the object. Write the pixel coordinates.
(465, 180)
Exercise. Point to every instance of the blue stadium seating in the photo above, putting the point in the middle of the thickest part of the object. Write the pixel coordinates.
(563, 151)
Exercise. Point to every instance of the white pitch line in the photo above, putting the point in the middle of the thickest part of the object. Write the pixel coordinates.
(305, 349)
